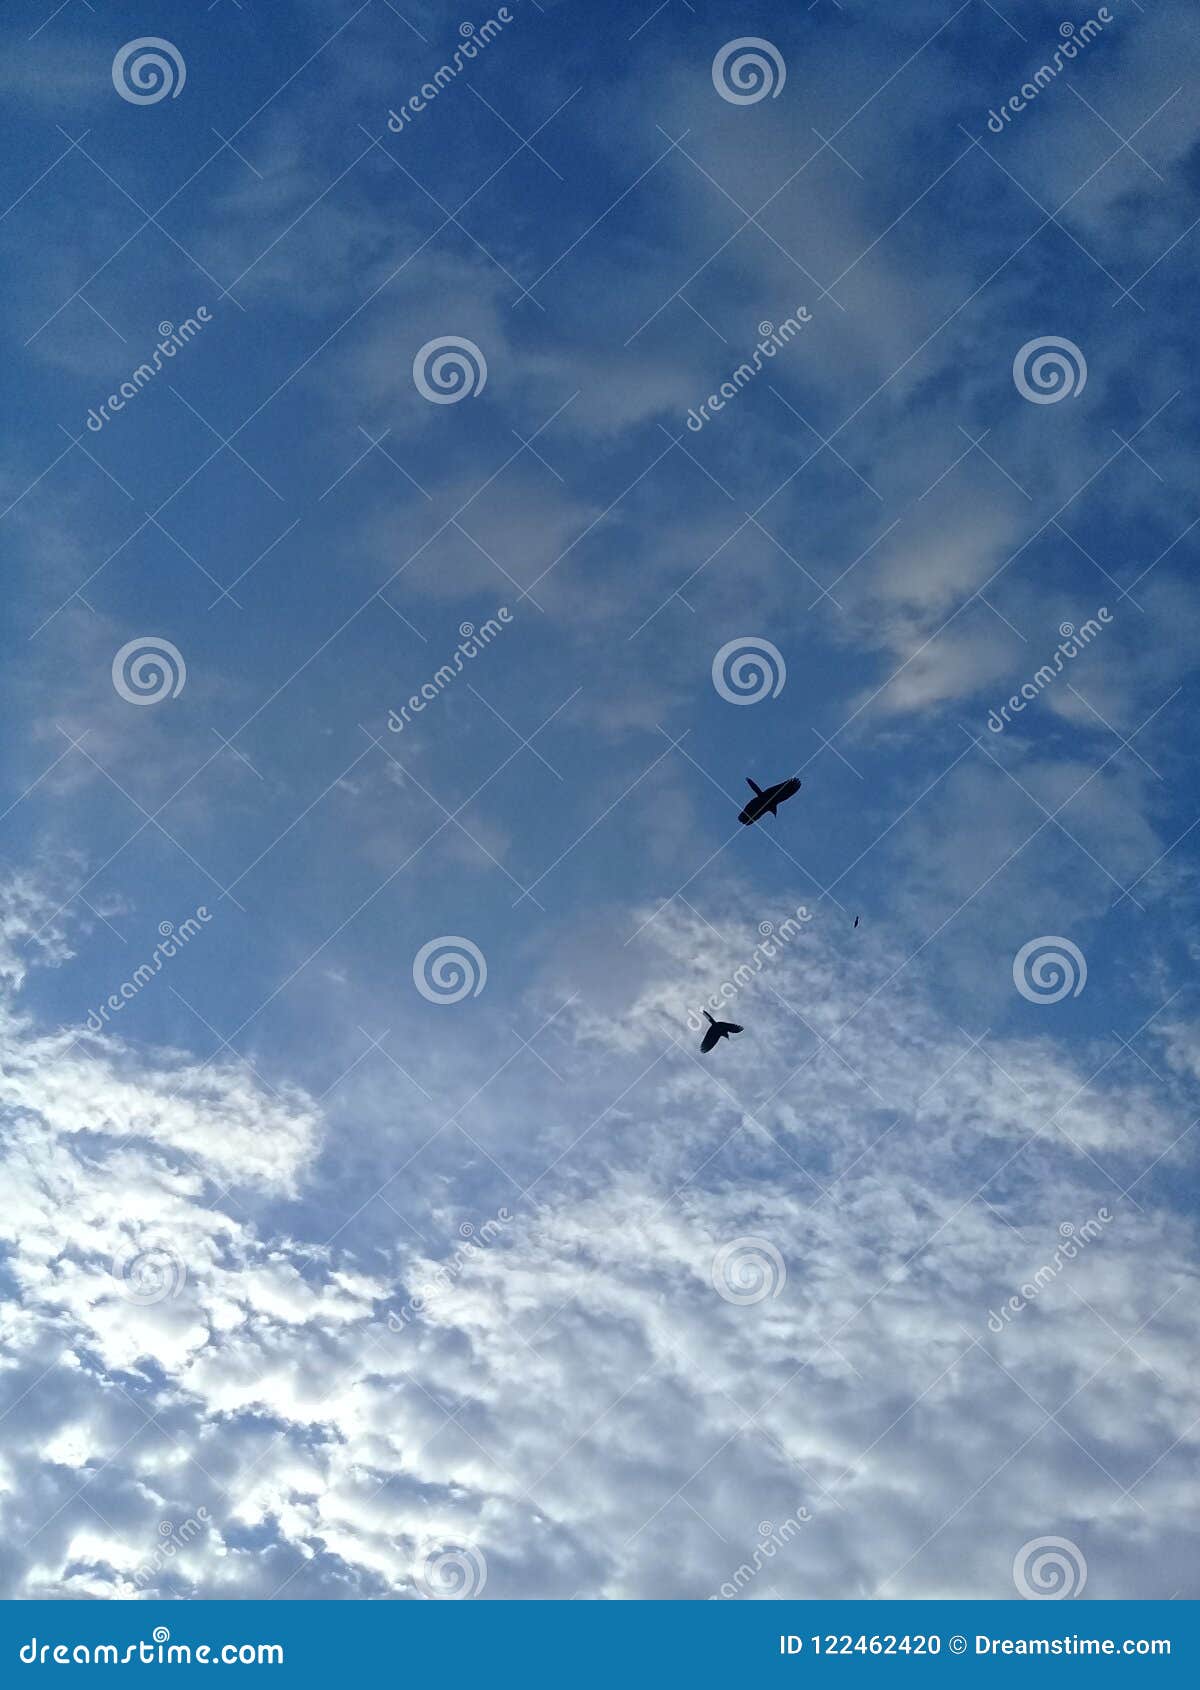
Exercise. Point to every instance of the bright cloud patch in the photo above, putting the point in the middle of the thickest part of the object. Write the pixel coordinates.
(581, 1393)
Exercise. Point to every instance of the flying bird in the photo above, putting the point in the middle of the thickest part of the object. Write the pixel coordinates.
(767, 803)
(717, 1030)
(856, 921)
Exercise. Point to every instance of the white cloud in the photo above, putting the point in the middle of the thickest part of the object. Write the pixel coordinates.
(577, 1400)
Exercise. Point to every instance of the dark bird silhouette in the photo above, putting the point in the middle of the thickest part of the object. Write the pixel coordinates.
(856, 921)
(717, 1030)
(767, 803)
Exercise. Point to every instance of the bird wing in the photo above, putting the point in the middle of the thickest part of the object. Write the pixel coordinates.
(710, 1038)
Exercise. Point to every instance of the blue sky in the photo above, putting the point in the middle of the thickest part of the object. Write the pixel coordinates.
(278, 1120)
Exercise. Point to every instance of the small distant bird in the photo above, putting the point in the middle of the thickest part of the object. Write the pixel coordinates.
(767, 803)
(856, 921)
(717, 1030)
